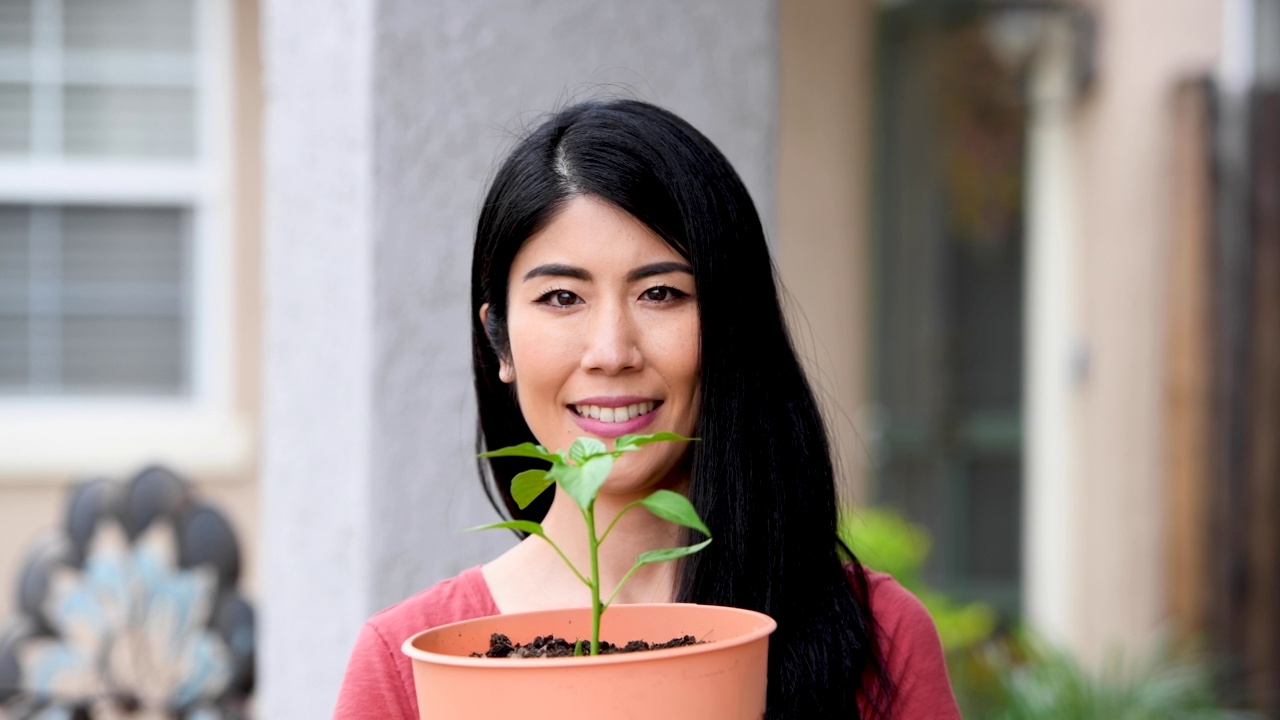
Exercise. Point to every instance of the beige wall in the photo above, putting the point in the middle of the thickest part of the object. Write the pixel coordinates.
(32, 503)
(824, 161)
(1124, 157)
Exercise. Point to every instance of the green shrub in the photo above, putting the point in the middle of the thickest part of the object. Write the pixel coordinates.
(1016, 676)
(1021, 677)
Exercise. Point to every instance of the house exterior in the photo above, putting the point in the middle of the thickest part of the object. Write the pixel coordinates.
(131, 179)
(334, 158)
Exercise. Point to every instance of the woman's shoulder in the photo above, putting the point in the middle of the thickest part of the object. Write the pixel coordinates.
(379, 679)
(902, 621)
(895, 608)
(910, 649)
(461, 597)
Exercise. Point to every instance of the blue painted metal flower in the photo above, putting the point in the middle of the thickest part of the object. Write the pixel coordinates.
(131, 611)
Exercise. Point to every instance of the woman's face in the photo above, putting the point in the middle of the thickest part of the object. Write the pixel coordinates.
(605, 338)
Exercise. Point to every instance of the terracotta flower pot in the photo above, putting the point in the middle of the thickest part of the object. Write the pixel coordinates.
(723, 678)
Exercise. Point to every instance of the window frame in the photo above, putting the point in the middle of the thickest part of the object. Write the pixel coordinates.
(201, 429)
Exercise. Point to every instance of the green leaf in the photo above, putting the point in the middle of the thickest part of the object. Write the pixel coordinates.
(528, 485)
(668, 554)
(526, 449)
(584, 448)
(676, 508)
(583, 482)
(528, 526)
(626, 443)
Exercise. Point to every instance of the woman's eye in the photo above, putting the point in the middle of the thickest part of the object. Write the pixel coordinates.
(559, 298)
(662, 293)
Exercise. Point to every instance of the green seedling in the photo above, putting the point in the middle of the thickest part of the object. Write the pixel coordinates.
(581, 473)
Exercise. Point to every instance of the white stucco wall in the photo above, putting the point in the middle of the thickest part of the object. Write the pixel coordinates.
(383, 121)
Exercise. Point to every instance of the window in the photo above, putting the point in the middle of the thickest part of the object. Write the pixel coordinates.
(114, 216)
(948, 298)
(94, 300)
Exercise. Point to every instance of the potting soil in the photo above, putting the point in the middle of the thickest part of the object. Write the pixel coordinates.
(500, 646)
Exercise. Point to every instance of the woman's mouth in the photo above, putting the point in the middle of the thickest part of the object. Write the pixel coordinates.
(619, 414)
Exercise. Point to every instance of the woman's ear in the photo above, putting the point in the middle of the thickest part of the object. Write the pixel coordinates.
(506, 372)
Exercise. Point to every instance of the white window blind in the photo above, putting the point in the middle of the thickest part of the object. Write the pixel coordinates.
(93, 299)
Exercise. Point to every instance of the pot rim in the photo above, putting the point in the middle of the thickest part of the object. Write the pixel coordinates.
(767, 626)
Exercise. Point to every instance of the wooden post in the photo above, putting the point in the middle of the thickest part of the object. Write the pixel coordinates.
(1262, 414)
(1189, 383)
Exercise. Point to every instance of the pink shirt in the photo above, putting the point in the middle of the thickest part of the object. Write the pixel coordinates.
(379, 680)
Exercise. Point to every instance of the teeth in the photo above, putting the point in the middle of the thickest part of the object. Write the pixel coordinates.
(615, 415)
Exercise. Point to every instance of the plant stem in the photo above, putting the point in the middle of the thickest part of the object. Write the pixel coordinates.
(623, 581)
(565, 558)
(593, 546)
(618, 517)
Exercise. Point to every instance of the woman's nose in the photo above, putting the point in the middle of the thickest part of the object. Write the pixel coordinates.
(612, 345)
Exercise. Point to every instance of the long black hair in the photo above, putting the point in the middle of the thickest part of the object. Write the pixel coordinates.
(762, 477)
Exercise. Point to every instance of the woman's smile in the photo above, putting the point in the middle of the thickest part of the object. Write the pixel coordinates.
(602, 317)
(614, 416)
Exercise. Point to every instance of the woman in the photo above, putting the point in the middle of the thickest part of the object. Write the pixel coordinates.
(621, 283)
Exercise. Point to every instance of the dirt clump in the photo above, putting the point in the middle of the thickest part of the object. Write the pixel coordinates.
(500, 646)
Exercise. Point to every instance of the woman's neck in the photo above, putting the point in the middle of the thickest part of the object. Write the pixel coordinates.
(635, 532)
(532, 576)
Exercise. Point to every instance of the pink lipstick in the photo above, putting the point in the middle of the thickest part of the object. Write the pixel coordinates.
(613, 416)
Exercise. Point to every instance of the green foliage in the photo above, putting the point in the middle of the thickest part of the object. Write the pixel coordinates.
(525, 526)
(884, 541)
(582, 481)
(528, 485)
(528, 450)
(674, 507)
(669, 554)
(1021, 677)
(1017, 676)
(581, 473)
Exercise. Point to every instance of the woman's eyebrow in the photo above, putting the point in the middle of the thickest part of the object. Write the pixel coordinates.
(661, 268)
(577, 273)
(558, 270)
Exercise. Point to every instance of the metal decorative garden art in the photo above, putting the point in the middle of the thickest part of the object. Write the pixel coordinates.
(130, 610)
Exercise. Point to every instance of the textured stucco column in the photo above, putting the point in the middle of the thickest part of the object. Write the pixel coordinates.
(825, 84)
(383, 121)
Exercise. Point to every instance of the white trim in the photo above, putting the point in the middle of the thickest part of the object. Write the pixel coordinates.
(1050, 328)
(201, 432)
(212, 345)
(1236, 68)
(109, 183)
(49, 437)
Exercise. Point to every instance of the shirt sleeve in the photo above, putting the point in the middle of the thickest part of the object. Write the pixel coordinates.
(373, 688)
(913, 655)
